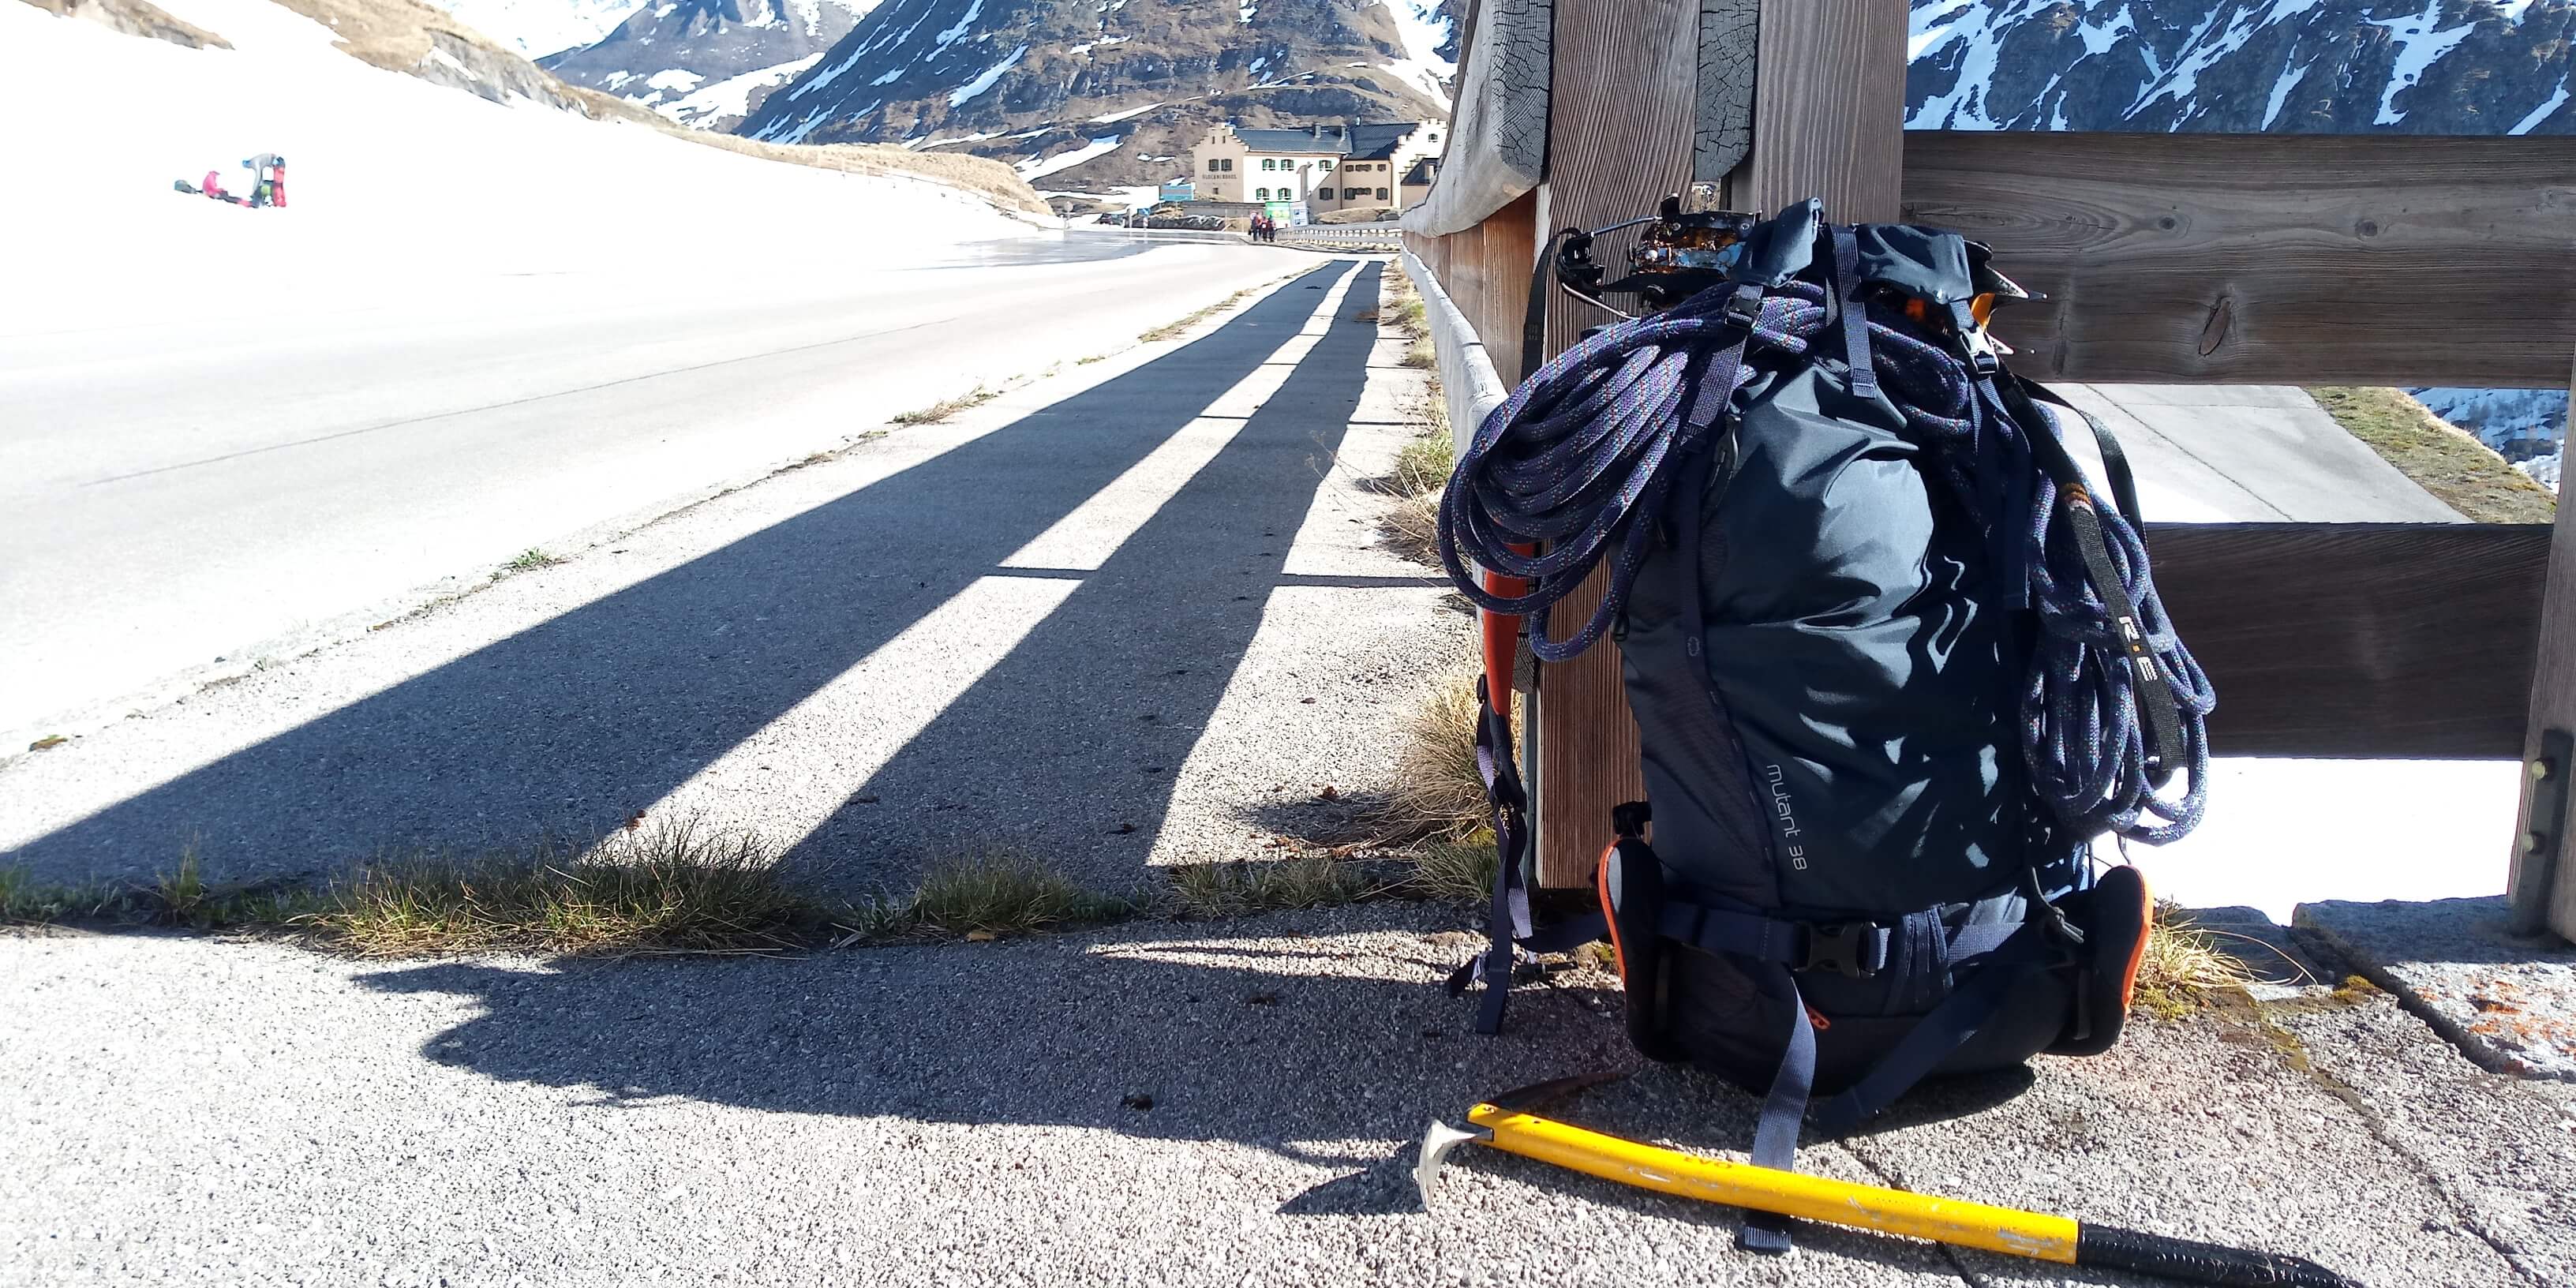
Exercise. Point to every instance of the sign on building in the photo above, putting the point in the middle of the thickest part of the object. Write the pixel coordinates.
(1180, 190)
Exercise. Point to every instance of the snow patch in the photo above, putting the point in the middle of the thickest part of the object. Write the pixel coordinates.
(1114, 117)
(1038, 168)
(2418, 46)
(676, 80)
(731, 97)
(984, 82)
(1422, 28)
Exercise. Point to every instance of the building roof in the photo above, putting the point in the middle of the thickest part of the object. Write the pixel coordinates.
(1420, 173)
(1360, 142)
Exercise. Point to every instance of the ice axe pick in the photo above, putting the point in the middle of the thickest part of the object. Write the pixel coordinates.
(1506, 1123)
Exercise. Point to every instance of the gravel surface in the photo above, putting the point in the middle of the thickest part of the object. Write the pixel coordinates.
(1135, 613)
(183, 1109)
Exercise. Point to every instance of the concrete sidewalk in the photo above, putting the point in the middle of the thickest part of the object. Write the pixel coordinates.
(1159, 1104)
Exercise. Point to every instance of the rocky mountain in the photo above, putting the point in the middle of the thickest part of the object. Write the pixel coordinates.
(2279, 66)
(536, 28)
(2242, 66)
(708, 63)
(1112, 92)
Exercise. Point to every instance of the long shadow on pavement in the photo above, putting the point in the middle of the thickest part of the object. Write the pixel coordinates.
(1296, 1038)
(568, 728)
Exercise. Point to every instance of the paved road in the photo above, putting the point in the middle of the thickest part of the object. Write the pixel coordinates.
(187, 1111)
(1135, 613)
(238, 484)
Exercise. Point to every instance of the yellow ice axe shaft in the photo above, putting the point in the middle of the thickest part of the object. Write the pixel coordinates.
(1815, 1198)
(1871, 1207)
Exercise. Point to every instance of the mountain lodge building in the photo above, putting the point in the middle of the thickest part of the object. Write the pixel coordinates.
(1329, 167)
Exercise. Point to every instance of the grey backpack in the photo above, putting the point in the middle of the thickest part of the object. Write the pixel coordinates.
(1893, 663)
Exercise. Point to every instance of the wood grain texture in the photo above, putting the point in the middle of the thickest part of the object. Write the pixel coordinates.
(2370, 259)
(1828, 109)
(1621, 123)
(1505, 248)
(2359, 639)
(2553, 706)
(1498, 135)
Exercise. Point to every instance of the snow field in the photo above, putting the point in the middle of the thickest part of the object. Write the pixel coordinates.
(396, 187)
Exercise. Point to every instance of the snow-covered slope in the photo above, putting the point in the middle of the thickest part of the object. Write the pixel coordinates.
(709, 62)
(2240, 66)
(537, 28)
(1114, 91)
(396, 187)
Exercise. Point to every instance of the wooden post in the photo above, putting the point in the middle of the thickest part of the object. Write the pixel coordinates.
(1622, 114)
(2553, 706)
(1828, 121)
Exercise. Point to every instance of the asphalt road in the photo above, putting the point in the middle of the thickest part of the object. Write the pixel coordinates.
(242, 482)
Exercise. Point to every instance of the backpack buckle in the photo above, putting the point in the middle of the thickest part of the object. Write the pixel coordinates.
(1745, 306)
(1838, 947)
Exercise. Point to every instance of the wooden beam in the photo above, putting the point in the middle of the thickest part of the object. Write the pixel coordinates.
(2553, 706)
(2379, 259)
(1621, 121)
(1827, 121)
(2359, 639)
(1498, 127)
(1828, 109)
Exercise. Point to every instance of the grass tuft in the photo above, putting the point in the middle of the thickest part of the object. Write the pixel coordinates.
(1456, 871)
(531, 559)
(1176, 329)
(1217, 890)
(48, 742)
(2183, 966)
(1439, 795)
(1412, 524)
(2448, 462)
(945, 407)
(674, 888)
(995, 893)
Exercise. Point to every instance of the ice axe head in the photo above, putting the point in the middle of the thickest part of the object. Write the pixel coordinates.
(1436, 1144)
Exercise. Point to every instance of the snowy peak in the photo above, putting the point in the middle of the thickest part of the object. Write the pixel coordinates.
(1116, 87)
(709, 62)
(2241, 66)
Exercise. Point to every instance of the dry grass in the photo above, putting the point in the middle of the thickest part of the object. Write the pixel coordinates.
(993, 180)
(137, 18)
(1457, 871)
(2183, 966)
(678, 888)
(995, 893)
(1438, 793)
(1176, 329)
(2454, 466)
(1217, 890)
(945, 408)
(1412, 524)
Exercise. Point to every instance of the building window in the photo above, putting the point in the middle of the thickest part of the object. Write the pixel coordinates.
(1269, 164)
(1211, 165)
(1261, 194)
(1325, 166)
(1228, 163)
(1381, 194)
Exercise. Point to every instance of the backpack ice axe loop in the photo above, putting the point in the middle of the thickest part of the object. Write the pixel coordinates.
(1509, 1123)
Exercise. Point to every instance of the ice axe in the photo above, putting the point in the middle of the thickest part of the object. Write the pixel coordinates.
(1506, 1123)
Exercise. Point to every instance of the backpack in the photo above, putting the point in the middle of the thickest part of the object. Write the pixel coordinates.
(1894, 664)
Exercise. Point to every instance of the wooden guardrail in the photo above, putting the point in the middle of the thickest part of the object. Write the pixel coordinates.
(2374, 259)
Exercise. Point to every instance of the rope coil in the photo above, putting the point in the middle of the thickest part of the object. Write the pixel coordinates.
(1585, 448)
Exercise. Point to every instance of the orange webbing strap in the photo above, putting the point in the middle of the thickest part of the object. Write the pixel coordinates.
(1502, 636)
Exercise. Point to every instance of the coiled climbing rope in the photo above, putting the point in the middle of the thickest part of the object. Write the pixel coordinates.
(1559, 477)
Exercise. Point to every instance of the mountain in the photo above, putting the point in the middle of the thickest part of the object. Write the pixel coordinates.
(536, 28)
(708, 63)
(2242, 66)
(1114, 91)
(2265, 66)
